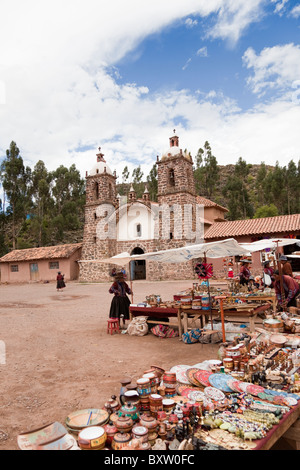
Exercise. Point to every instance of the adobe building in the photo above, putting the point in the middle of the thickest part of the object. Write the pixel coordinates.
(251, 230)
(115, 225)
(41, 264)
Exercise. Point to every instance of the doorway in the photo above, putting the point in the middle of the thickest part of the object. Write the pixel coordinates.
(34, 272)
(138, 268)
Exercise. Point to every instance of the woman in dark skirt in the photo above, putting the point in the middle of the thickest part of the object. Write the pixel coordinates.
(120, 303)
(60, 281)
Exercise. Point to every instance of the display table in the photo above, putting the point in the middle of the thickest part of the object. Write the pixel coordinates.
(249, 313)
(258, 298)
(288, 428)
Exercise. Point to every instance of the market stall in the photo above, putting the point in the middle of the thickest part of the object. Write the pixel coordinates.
(246, 398)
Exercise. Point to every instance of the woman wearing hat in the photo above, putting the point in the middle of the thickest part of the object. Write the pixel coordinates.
(244, 272)
(286, 267)
(120, 302)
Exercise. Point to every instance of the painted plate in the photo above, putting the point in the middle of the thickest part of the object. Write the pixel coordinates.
(290, 401)
(196, 396)
(243, 386)
(234, 385)
(85, 418)
(180, 372)
(202, 366)
(254, 389)
(214, 394)
(190, 373)
(220, 381)
(202, 376)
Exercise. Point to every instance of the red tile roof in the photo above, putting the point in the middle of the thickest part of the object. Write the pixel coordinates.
(235, 228)
(208, 203)
(48, 252)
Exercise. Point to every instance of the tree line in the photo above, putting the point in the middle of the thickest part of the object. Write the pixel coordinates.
(43, 208)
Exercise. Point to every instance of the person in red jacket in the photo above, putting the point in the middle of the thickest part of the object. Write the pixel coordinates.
(290, 288)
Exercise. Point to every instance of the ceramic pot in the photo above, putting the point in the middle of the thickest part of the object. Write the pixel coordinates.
(92, 438)
(132, 396)
(140, 432)
(124, 383)
(168, 404)
(124, 424)
(149, 422)
(130, 411)
(153, 381)
(120, 440)
(110, 430)
(143, 386)
(112, 405)
(156, 403)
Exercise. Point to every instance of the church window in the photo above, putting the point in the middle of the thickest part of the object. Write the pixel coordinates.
(138, 230)
(171, 177)
(96, 191)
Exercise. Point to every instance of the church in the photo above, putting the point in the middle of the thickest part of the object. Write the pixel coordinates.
(115, 224)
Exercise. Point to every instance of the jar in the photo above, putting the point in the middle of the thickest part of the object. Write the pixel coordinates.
(144, 403)
(110, 430)
(92, 438)
(124, 424)
(169, 380)
(132, 396)
(168, 404)
(112, 405)
(140, 432)
(131, 411)
(124, 383)
(228, 363)
(120, 440)
(143, 386)
(156, 403)
(153, 381)
(150, 422)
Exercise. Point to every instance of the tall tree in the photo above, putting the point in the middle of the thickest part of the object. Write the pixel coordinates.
(153, 183)
(15, 181)
(207, 171)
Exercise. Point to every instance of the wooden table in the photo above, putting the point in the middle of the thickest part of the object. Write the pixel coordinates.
(288, 428)
(249, 313)
(257, 298)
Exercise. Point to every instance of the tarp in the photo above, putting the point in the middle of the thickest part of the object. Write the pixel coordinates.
(218, 249)
(271, 244)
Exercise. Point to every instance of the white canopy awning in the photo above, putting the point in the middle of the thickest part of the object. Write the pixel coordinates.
(271, 243)
(218, 249)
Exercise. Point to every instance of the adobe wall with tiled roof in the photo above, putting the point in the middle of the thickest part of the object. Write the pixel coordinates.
(50, 252)
(269, 225)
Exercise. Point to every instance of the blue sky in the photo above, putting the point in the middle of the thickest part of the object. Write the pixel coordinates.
(76, 75)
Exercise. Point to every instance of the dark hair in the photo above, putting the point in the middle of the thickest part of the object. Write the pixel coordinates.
(276, 272)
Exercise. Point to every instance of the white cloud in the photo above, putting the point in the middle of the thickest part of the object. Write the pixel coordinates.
(234, 17)
(279, 6)
(63, 96)
(202, 52)
(275, 67)
(190, 23)
(295, 12)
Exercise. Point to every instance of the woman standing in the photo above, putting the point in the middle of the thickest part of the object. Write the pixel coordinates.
(120, 303)
(60, 281)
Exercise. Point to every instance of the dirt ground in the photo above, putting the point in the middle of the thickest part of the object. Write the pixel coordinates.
(59, 357)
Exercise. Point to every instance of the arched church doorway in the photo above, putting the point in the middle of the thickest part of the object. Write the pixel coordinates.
(138, 268)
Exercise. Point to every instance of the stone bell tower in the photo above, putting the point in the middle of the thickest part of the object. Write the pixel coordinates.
(101, 201)
(176, 186)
